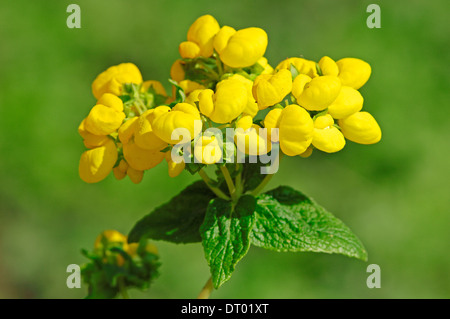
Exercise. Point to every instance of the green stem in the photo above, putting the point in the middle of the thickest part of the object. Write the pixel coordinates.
(123, 289)
(263, 184)
(215, 190)
(219, 66)
(207, 289)
(229, 181)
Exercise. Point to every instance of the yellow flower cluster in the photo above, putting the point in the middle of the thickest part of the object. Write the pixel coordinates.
(222, 81)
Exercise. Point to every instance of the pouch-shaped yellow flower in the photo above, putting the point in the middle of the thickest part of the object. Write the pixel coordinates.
(103, 120)
(361, 127)
(348, 101)
(127, 129)
(113, 79)
(139, 158)
(295, 130)
(202, 33)
(252, 107)
(91, 140)
(317, 94)
(175, 168)
(253, 140)
(240, 49)
(353, 72)
(227, 103)
(135, 175)
(303, 66)
(182, 116)
(270, 89)
(144, 136)
(97, 163)
(189, 50)
(176, 71)
(327, 137)
(328, 66)
(207, 150)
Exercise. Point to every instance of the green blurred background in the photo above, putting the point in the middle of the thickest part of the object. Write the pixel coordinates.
(394, 195)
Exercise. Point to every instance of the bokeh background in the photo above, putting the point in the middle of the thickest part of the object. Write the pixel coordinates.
(394, 195)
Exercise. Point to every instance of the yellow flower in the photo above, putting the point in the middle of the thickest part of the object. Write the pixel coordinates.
(139, 158)
(120, 171)
(188, 86)
(127, 129)
(252, 107)
(175, 168)
(97, 163)
(361, 127)
(295, 130)
(272, 121)
(268, 69)
(113, 79)
(105, 117)
(202, 33)
(348, 101)
(135, 175)
(144, 136)
(188, 50)
(91, 140)
(176, 71)
(328, 66)
(207, 150)
(239, 49)
(317, 94)
(156, 85)
(327, 137)
(229, 101)
(307, 153)
(250, 138)
(192, 98)
(182, 115)
(353, 72)
(303, 66)
(270, 89)
(133, 249)
(109, 237)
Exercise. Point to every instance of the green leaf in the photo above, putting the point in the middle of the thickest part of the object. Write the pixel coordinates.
(287, 220)
(226, 235)
(177, 221)
(251, 175)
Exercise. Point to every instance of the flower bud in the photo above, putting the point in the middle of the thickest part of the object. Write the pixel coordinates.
(189, 50)
(361, 128)
(353, 72)
(270, 89)
(109, 237)
(113, 79)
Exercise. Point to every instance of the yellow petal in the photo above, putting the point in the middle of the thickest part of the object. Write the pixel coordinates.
(189, 50)
(348, 101)
(319, 93)
(103, 120)
(353, 72)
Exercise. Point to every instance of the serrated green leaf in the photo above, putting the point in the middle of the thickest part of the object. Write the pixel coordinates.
(251, 175)
(287, 220)
(226, 235)
(177, 221)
